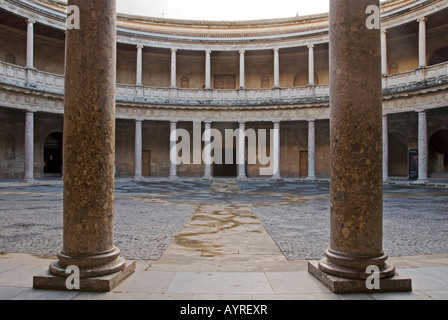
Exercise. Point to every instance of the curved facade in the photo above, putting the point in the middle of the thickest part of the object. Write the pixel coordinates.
(260, 76)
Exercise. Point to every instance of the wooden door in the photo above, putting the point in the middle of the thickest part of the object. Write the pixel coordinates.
(303, 164)
(225, 81)
(146, 163)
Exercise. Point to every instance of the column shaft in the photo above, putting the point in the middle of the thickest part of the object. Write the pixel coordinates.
(138, 150)
(89, 144)
(311, 151)
(384, 67)
(173, 150)
(276, 68)
(139, 65)
(29, 147)
(173, 68)
(242, 151)
(311, 65)
(242, 70)
(276, 151)
(422, 147)
(422, 42)
(385, 149)
(208, 70)
(30, 44)
(207, 155)
(356, 193)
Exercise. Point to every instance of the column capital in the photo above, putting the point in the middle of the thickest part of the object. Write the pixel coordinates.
(208, 51)
(140, 46)
(242, 123)
(29, 111)
(385, 31)
(276, 49)
(173, 50)
(422, 19)
(30, 21)
(138, 120)
(242, 51)
(310, 46)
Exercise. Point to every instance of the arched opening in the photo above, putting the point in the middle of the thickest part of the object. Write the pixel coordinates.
(398, 155)
(440, 56)
(10, 58)
(438, 153)
(185, 83)
(53, 155)
(265, 82)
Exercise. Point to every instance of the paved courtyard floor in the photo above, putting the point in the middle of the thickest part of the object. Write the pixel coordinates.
(226, 239)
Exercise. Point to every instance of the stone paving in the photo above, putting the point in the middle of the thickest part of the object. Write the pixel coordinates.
(150, 215)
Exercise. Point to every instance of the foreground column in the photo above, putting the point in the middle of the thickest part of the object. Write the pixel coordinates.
(242, 70)
(89, 153)
(356, 194)
(242, 151)
(173, 150)
(138, 150)
(384, 66)
(29, 148)
(311, 151)
(207, 154)
(422, 148)
(276, 152)
(173, 68)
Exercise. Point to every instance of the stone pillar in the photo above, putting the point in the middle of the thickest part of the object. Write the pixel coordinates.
(242, 151)
(30, 44)
(422, 42)
(29, 148)
(242, 70)
(276, 68)
(89, 154)
(311, 151)
(208, 70)
(422, 148)
(356, 194)
(173, 150)
(385, 149)
(139, 81)
(276, 152)
(173, 68)
(207, 157)
(138, 150)
(311, 65)
(384, 67)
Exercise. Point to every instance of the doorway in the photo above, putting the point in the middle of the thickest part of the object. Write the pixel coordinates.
(224, 169)
(146, 163)
(53, 155)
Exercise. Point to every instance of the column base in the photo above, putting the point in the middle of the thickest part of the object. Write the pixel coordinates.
(343, 285)
(241, 177)
(138, 178)
(207, 178)
(311, 178)
(28, 180)
(47, 281)
(173, 177)
(276, 178)
(422, 182)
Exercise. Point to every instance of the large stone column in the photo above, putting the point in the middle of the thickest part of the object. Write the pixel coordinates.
(30, 44)
(422, 148)
(356, 194)
(138, 150)
(276, 152)
(242, 151)
(311, 65)
(29, 148)
(173, 68)
(422, 42)
(384, 67)
(208, 70)
(242, 70)
(311, 151)
(385, 149)
(173, 150)
(139, 81)
(276, 68)
(207, 156)
(89, 154)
